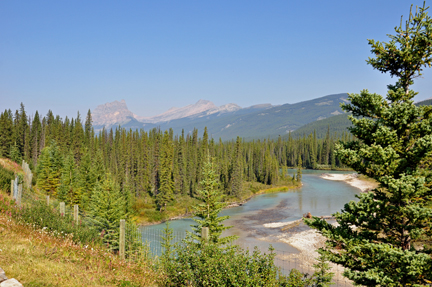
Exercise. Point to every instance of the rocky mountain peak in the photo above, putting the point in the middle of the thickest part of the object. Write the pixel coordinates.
(111, 113)
(203, 102)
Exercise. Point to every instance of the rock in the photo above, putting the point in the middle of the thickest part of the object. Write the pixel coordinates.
(11, 283)
(2, 275)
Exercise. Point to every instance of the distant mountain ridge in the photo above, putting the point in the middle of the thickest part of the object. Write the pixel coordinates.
(202, 106)
(229, 121)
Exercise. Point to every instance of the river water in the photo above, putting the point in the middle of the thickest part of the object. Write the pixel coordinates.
(317, 196)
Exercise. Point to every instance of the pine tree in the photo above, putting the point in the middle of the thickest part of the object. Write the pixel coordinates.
(237, 169)
(6, 133)
(86, 178)
(21, 127)
(15, 154)
(77, 137)
(207, 213)
(322, 275)
(35, 138)
(376, 236)
(49, 169)
(166, 189)
(107, 207)
(69, 190)
(88, 129)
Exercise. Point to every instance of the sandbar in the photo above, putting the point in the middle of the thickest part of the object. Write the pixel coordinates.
(351, 179)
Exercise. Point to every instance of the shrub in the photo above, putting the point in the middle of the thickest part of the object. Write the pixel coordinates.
(39, 215)
(210, 265)
(5, 179)
(7, 206)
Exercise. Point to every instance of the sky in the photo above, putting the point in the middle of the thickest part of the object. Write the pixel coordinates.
(71, 56)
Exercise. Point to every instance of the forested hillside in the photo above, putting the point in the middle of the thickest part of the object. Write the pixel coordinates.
(153, 171)
(336, 124)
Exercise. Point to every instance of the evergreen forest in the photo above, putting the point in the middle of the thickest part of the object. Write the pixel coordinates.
(153, 171)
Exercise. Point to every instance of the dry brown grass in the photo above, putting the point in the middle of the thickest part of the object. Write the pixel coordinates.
(36, 258)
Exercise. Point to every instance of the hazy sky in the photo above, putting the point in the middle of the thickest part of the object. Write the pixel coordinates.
(74, 55)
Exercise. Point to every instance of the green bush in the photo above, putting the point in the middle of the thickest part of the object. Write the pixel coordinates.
(210, 265)
(5, 179)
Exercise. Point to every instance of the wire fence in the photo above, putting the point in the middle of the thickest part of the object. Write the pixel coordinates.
(150, 241)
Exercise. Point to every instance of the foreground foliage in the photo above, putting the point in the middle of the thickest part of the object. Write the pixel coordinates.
(211, 265)
(376, 237)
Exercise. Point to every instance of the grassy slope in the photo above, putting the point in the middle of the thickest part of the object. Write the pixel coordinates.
(36, 258)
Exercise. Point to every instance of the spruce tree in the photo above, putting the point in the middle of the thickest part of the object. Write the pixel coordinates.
(88, 128)
(207, 212)
(166, 189)
(6, 133)
(86, 178)
(236, 169)
(69, 190)
(376, 236)
(15, 154)
(107, 207)
(35, 138)
(322, 275)
(49, 169)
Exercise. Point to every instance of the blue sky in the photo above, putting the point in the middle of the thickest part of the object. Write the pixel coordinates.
(74, 55)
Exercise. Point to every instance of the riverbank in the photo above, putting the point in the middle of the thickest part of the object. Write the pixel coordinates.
(230, 204)
(352, 179)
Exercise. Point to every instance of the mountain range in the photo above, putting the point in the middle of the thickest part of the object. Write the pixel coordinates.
(226, 121)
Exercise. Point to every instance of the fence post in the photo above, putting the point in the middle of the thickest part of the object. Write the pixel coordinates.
(19, 194)
(30, 178)
(47, 200)
(122, 239)
(16, 181)
(76, 214)
(62, 209)
(12, 187)
(205, 233)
